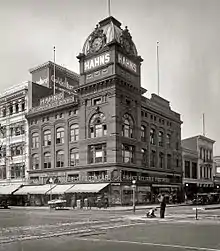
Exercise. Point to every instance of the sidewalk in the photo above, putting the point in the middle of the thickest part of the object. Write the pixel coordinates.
(115, 208)
(123, 208)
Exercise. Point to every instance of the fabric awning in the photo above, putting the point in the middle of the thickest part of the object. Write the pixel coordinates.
(87, 188)
(40, 189)
(8, 188)
(60, 189)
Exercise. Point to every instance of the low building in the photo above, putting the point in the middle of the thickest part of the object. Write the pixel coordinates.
(217, 173)
(109, 132)
(14, 163)
(190, 171)
(198, 165)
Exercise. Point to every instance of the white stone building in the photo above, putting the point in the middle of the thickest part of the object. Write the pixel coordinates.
(14, 135)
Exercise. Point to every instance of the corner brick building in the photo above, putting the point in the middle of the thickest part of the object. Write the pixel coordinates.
(103, 130)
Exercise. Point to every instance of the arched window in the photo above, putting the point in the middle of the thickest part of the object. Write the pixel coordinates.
(74, 157)
(47, 160)
(127, 126)
(74, 132)
(143, 133)
(60, 158)
(35, 161)
(98, 127)
(35, 140)
(60, 135)
(47, 138)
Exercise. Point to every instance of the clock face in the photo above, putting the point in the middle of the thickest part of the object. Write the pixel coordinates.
(97, 44)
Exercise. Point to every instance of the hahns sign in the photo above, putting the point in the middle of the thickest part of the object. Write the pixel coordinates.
(97, 61)
(104, 59)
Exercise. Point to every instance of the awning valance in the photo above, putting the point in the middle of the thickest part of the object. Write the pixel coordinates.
(8, 188)
(60, 189)
(87, 188)
(40, 189)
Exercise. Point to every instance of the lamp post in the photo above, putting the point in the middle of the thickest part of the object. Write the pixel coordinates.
(51, 182)
(134, 188)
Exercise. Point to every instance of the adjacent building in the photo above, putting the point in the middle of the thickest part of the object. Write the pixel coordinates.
(217, 173)
(198, 165)
(97, 127)
(14, 135)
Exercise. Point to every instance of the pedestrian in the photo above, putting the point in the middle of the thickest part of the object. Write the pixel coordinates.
(151, 213)
(162, 206)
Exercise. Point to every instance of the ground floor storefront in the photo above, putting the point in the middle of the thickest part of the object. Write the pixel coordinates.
(114, 185)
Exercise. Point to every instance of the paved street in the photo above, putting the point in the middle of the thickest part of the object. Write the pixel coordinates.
(32, 229)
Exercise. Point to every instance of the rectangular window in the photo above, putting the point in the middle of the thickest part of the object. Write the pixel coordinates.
(97, 153)
(97, 101)
(128, 153)
(161, 160)
(144, 156)
(73, 177)
(168, 140)
(17, 171)
(153, 158)
(187, 169)
(152, 136)
(3, 152)
(169, 161)
(194, 170)
(74, 158)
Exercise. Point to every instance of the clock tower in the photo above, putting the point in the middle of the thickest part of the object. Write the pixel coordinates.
(110, 101)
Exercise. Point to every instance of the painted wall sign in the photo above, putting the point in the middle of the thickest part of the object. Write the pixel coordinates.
(97, 61)
(64, 83)
(124, 61)
(52, 98)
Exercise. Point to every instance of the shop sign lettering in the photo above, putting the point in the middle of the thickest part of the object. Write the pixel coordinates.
(51, 99)
(97, 61)
(124, 61)
(62, 83)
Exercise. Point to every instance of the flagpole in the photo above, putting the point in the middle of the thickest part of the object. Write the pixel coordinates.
(54, 70)
(158, 70)
(109, 8)
(203, 124)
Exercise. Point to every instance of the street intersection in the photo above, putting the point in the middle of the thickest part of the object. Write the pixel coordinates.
(31, 229)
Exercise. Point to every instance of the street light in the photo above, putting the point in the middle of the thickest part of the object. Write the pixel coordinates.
(134, 188)
(51, 182)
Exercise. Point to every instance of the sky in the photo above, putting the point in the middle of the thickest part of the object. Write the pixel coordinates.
(189, 47)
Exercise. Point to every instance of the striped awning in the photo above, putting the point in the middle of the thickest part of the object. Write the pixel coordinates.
(7, 189)
(87, 188)
(39, 189)
(60, 189)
